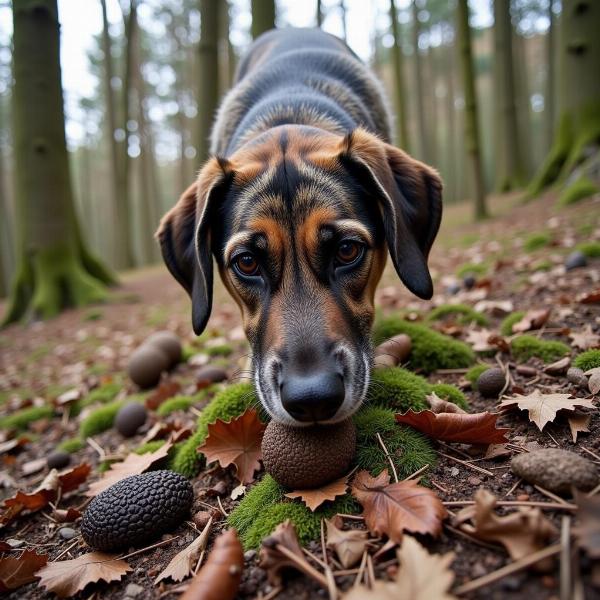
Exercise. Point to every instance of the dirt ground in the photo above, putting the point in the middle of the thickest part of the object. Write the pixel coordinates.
(81, 349)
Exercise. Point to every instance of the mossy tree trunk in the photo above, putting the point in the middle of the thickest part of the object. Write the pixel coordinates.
(400, 96)
(471, 113)
(578, 125)
(6, 229)
(263, 16)
(55, 268)
(420, 104)
(508, 164)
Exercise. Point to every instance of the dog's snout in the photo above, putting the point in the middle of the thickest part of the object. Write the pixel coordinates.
(313, 398)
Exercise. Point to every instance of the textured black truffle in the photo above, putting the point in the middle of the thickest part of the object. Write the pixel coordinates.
(136, 510)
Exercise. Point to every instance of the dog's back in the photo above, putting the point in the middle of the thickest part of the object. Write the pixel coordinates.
(304, 77)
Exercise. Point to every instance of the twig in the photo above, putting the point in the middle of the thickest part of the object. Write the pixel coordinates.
(65, 551)
(171, 539)
(548, 493)
(361, 568)
(594, 491)
(221, 507)
(274, 592)
(548, 505)
(471, 538)
(565, 558)
(303, 566)
(514, 487)
(553, 439)
(94, 444)
(590, 452)
(416, 473)
(387, 455)
(467, 464)
(353, 517)
(518, 565)
(439, 486)
(370, 570)
(323, 548)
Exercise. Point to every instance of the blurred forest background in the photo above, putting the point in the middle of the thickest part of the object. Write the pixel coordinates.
(498, 96)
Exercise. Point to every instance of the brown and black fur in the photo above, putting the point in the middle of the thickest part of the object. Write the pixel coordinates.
(302, 163)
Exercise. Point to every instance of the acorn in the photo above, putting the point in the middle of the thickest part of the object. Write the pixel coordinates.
(491, 382)
(146, 365)
(302, 458)
(169, 343)
(130, 418)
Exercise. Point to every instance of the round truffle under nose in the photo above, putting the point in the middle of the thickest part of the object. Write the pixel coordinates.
(312, 398)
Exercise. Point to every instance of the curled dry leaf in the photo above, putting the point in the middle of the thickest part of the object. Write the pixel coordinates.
(587, 530)
(522, 532)
(219, 578)
(542, 408)
(236, 442)
(533, 319)
(438, 405)
(476, 428)
(391, 508)
(66, 515)
(183, 562)
(559, 367)
(579, 423)
(17, 571)
(67, 577)
(348, 545)
(315, 497)
(420, 576)
(167, 389)
(396, 350)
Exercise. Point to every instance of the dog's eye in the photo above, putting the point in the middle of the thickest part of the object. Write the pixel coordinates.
(348, 252)
(246, 264)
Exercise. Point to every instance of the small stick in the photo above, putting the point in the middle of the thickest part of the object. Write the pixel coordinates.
(65, 551)
(315, 558)
(303, 565)
(176, 537)
(370, 570)
(221, 507)
(274, 592)
(548, 493)
(331, 587)
(323, 548)
(387, 455)
(565, 558)
(439, 486)
(514, 487)
(353, 517)
(548, 505)
(416, 473)
(361, 568)
(467, 464)
(471, 538)
(594, 491)
(514, 567)
(553, 439)
(94, 444)
(590, 452)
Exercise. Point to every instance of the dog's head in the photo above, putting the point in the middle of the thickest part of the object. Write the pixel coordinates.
(300, 222)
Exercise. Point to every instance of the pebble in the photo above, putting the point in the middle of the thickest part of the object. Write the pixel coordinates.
(556, 470)
(130, 418)
(469, 282)
(577, 377)
(133, 590)
(474, 481)
(575, 260)
(249, 554)
(13, 543)
(452, 289)
(491, 382)
(210, 374)
(201, 518)
(454, 472)
(67, 533)
(58, 459)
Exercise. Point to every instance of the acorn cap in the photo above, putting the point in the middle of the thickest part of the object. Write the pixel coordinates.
(169, 343)
(146, 365)
(302, 458)
(491, 382)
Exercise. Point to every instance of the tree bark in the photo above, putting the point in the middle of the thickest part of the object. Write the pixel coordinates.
(208, 71)
(471, 113)
(423, 143)
(6, 227)
(400, 96)
(55, 268)
(225, 50)
(319, 13)
(579, 98)
(263, 17)
(549, 96)
(509, 165)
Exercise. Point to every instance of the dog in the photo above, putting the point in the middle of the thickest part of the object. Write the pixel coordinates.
(299, 205)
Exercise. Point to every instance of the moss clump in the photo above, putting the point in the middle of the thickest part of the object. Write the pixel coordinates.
(430, 350)
(473, 374)
(451, 393)
(478, 269)
(589, 249)
(542, 265)
(22, 418)
(508, 322)
(590, 359)
(466, 314)
(535, 241)
(173, 404)
(398, 389)
(71, 445)
(100, 420)
(220, 350)
(579, 190)
(150, 446)
(525, 347)
(227, 404)
(101, 395)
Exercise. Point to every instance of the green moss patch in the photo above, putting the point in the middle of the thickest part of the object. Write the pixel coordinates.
(100, 419)
(101, 395)
(451, 393)
(175, 403)
(579, 190)
(220, 350)
(474, 373)
(508, 322)
(525, 347)
(590, 359)
(151, 446)
(476, 269)
(398, 389)
(71, 445)
(465, 314)
(22, 418)
(536, 241)
(590, 249)
(430, 350)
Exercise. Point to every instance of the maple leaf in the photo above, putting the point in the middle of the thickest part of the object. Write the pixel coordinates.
(17, 571)
(421, 576)
(542, 408)
(396, 350)
(532, 319)
(579, 423)
(348, 545)
(391, 508)
(236, 442)
(315, 497)
(67, 577)
(183, 562)
(475, 428)
(438, 405)
(587, 530)
(585, 339)
(522, 532)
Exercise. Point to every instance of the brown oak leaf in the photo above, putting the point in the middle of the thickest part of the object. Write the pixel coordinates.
(585, 339)
(315, 497)
(438, 405)
(542, 408)
(348, 545)
(476, 428)
(236, 442)
(532, 319)
(479, 339)
(391, 508)
(579, 423)
(67, 577)
(17, 571)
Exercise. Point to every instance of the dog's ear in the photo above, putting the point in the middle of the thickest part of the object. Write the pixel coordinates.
(410, 196)
(184, 235)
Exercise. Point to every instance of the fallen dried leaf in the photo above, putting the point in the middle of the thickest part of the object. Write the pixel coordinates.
(66, 516)
(476, 428)
(236, 442)
(348, 545)
(559, 367)
(594, 383)
(17, 571)
(592, 297)
(393, 508)
(397, 349)
(496, 450)
(480, 340)
(585, 339)
(587, 530)
(542, 408)
(167, 389)
(579, 423)
(438, 405)
(533, 319)
(315, 497)
(67, 577)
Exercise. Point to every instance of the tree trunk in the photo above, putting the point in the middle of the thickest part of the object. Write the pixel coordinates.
(6, 227)
(225, 50)
(450, 118)
(344, 20)
(400, 96)
(471, 116)
(509, 165)
(263, 16)
(319, 13)
(579, 98)
(523, 102)
(549, 96)
(423, 144)
(55, 269)
(208, 72)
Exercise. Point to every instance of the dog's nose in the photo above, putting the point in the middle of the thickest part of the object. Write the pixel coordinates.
(312, 398)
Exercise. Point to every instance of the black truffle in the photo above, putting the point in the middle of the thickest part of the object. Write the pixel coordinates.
(59, 459)
(136, 510)
(130, 418)
(491, 382)
(146, 365)
(169, 343)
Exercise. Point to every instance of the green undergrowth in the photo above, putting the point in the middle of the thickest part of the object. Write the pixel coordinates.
(220, 350)
(590, 249)
(22, 418)
(175, 403)
(579, 190)
(473, 374)
(535, 241)
(590, 359)
(508, 322)
(71, 445)
(430, 350)
(525, 347)
(466, 314)
(101, 395)
(100, 419)
(476, 269)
